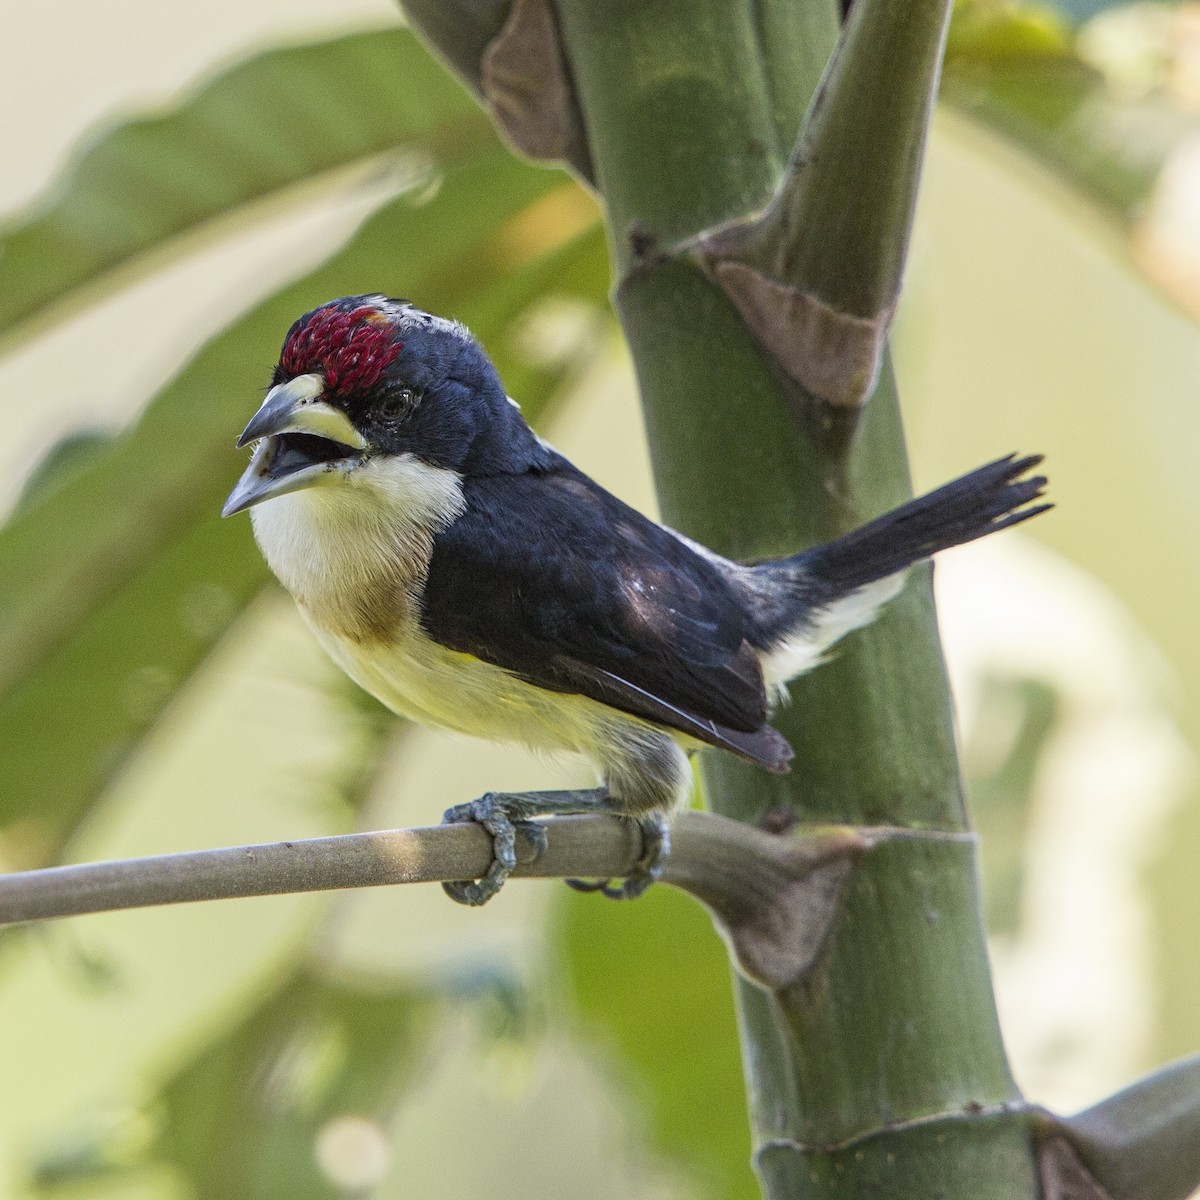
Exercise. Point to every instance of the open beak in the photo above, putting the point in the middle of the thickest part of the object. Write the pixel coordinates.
(303, 442)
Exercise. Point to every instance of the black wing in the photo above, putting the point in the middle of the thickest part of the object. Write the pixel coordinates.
(551, 577)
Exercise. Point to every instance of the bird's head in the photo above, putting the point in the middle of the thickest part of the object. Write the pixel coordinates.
(363, 379)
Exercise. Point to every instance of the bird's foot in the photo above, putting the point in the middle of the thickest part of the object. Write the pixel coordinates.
(501, 814)
(656, 845)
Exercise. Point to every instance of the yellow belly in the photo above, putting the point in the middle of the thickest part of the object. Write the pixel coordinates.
(414, 676)
(643, 765)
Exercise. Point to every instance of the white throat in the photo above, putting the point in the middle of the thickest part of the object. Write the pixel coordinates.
(355, 554)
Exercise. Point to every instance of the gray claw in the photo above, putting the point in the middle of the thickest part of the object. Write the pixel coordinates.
(535, 831)
(495, 812)
(656, 845)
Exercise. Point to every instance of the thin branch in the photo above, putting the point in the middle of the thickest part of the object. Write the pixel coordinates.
(772, 895)
(592, 845)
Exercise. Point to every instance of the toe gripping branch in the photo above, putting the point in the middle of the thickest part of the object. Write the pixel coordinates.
(656, 845)
(503, 813)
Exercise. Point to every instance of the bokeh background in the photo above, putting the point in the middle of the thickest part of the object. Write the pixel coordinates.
(158, 694)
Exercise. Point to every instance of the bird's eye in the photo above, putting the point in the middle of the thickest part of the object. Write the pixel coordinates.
(400, 402)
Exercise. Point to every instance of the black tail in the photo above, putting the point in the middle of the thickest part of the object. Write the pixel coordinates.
(991, 498)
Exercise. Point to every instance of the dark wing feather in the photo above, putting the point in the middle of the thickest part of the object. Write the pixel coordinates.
(764, 746)
(551, 577)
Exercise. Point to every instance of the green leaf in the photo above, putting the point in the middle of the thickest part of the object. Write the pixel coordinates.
(259, 1112)
(1101, 108)
(998, 29)
(304, 1049)
(651, 981)
(64, 460)
(114, 588)
(246, 1117)
(265, 125)
(1022, 72)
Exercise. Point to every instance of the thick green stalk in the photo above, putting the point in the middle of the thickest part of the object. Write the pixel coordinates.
(757, 272)
(823, 305)
(885, 1061)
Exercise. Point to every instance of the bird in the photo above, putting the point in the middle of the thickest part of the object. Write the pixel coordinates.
(469, 576)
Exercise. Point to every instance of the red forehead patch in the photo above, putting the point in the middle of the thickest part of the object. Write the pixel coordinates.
(351, 348)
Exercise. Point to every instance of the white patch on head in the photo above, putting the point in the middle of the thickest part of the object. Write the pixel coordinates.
(406, 314)
(806, 648)
(386, 305)
(365, 541)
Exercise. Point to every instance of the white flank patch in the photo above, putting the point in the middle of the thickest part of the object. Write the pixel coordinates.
(807, 647)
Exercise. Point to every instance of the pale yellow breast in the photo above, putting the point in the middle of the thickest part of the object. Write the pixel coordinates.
(355, 555)
(423, 680)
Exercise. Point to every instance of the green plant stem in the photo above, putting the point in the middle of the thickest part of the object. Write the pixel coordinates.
(822, 305)
(894, 1033)
(855, 172)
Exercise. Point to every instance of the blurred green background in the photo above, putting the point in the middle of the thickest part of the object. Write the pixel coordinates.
(157, 693)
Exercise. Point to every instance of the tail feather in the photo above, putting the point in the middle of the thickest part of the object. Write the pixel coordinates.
(982, 502)
(840, 585)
